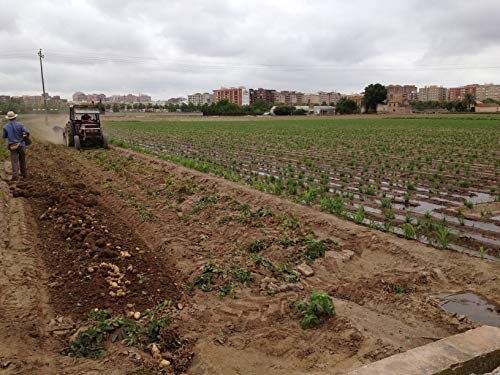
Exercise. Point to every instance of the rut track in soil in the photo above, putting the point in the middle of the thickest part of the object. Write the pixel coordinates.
(184, 220)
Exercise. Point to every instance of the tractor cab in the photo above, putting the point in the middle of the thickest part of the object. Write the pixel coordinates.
(84, 126)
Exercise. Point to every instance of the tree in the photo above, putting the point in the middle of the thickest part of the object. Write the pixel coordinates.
(469, 100)
(116, 108)
(346, 106)
(374, 94)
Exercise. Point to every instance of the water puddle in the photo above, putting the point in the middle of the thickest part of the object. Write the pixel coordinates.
(473, 306)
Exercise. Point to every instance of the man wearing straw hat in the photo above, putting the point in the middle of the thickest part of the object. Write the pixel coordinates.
(17, 135)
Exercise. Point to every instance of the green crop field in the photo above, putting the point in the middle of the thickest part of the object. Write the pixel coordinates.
(430, 179)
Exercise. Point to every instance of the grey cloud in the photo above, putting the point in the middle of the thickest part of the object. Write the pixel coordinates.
(175, 47)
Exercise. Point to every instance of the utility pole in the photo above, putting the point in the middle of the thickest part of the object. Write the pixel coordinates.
(41, 56)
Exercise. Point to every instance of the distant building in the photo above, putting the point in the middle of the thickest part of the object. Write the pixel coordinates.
(79, 97)
(201, 99)
(179, 100)
(236, 95)
(405, 92)
(488, 91)
(433, 93)
(262, 95)
(32, 100)
(329, 97)
(312, 99)
(4, 98)
(142, 98)
(358, 99)
(290, 98)
(458, 93)
(279, 97)
(396, 106)
(487, 108)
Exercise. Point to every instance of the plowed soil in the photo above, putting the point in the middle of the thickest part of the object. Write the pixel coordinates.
(162, 225)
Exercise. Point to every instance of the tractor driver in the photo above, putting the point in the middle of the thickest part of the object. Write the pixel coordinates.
(86, 117)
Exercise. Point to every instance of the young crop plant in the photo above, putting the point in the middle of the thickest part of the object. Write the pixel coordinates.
(89, 343)
(484, 251)
(359, 215)
(409, 231)
(258, 246)
(442, 236)
(332, 205)
(288, 274)
(309, 196)
(317, 310)
(387, 204)
(315, 249)
(469, 204)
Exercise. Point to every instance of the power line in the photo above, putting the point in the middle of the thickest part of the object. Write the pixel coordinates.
(99, 58)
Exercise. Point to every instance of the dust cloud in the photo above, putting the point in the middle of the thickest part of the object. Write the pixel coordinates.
(46, 128)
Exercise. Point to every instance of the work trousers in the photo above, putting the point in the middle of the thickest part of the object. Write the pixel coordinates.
(18, 160)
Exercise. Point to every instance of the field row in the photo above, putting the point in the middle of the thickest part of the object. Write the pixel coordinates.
(435, 180)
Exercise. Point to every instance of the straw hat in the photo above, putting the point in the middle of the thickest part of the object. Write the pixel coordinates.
(11, 115)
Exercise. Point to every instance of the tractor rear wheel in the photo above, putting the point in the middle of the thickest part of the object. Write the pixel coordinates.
(76, 140)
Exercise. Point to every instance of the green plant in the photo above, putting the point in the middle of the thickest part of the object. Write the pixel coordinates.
(359, 215)
(88, 343)
(203, 281)
(289, 274)
(442, 236)
(241, 275)
(469, 204)
(265, 262)
(399, 289)
(320, 307)
(386, 204)
(258, 246)
(332, 205)
(483, 251)
(409, 231)
(315, 249)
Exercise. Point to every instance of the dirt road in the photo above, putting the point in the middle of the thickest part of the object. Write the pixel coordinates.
(165, 225)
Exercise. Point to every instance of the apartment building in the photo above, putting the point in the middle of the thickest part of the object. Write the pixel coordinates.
(236, 95)
(329, 97)
(262, 95)
(79, 97)
(487, 91)
(143, 98)
(406, 92)
(201, 99)
(433, 93)
(32, 100)
(458, 93)
(312, 99)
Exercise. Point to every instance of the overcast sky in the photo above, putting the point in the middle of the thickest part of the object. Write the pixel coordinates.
(176, 47)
